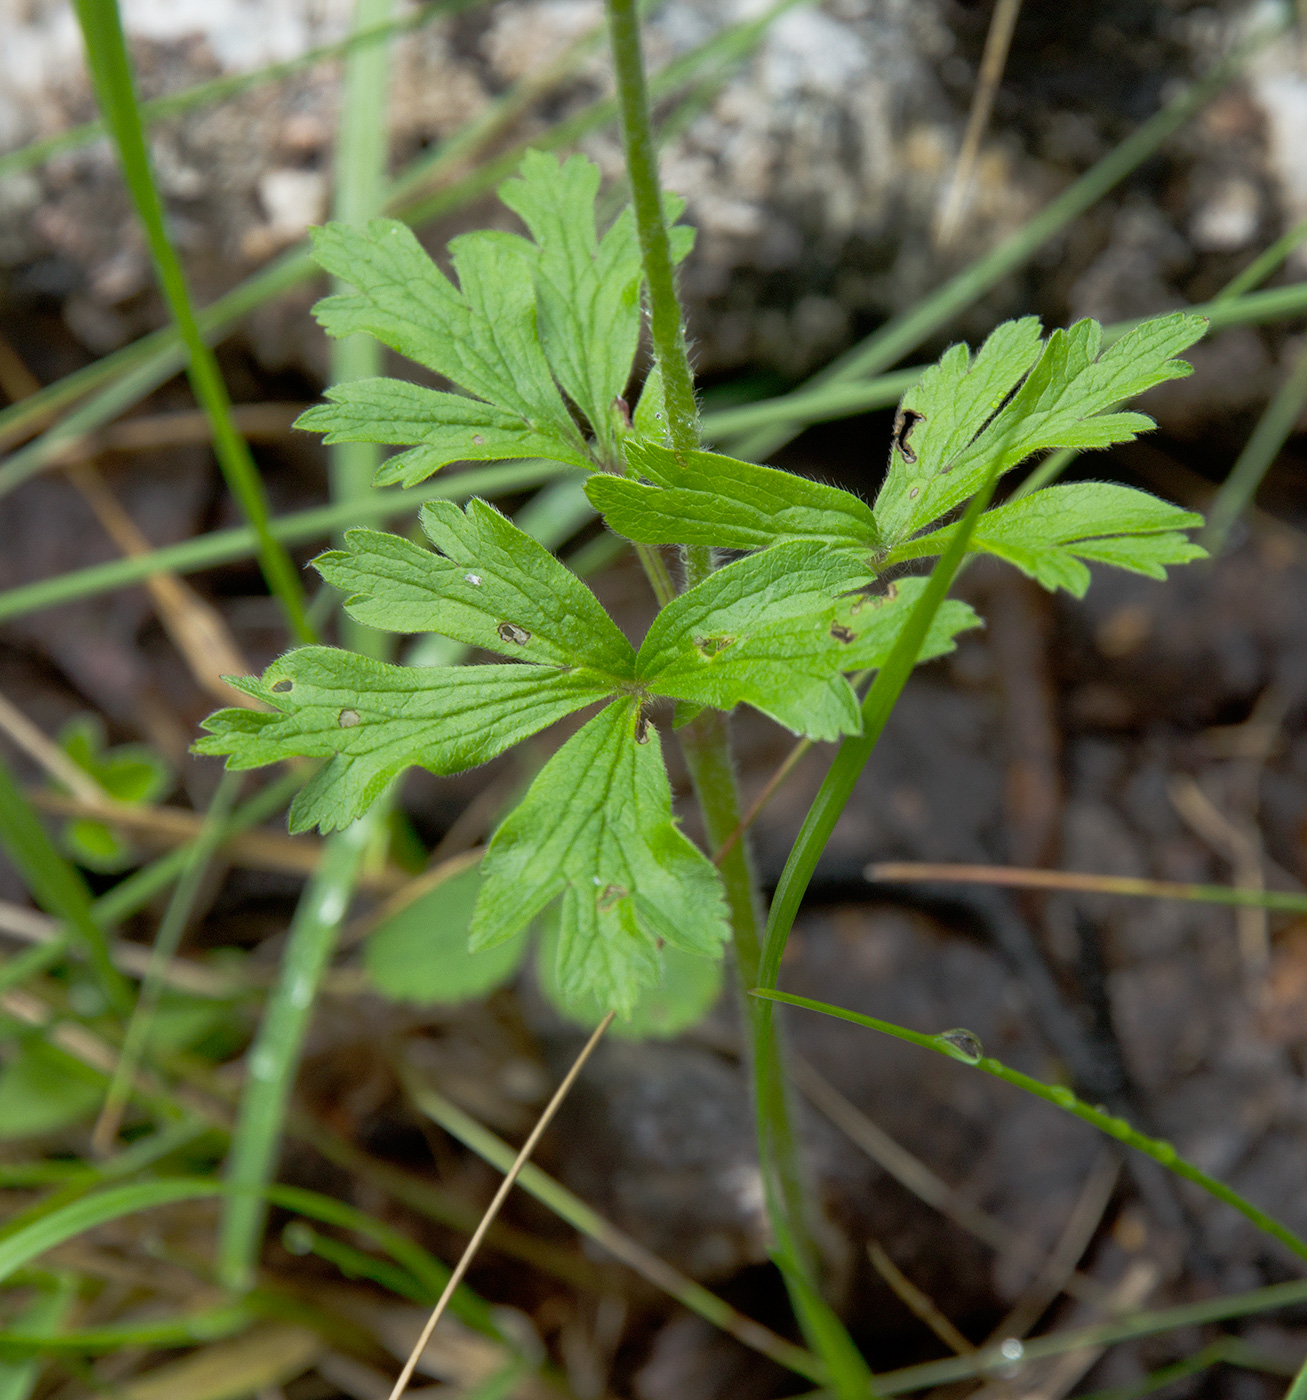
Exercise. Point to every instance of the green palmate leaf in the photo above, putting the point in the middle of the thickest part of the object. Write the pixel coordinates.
(491, 586)
(688, 985)
(777, 630)
(420, 953)
(1063, 402)
(596, 828)
(446, 428)
(1049, 532)
(713, 500)
(588, 288)
(373, 720)
(942, 413)
(482, 335)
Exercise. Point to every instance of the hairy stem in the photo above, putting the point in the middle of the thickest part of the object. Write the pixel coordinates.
(706, 744)
(665, 324)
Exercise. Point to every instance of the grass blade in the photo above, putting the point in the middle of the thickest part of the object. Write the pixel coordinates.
(205, 1325)
(106, 54)
(166, 942)
(43, 1317)
(896, 871)
(953, 1044)
(86, 1214)
(1262, 448)
(223, 546)
(1264, 264)
(56, 885)
(273, 1059)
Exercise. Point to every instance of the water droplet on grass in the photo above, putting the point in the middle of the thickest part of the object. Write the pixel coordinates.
(962, 1044)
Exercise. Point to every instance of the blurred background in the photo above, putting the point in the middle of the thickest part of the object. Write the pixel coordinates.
(842, 163)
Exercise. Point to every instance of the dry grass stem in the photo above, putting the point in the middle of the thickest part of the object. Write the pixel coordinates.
(492, 1210)
(921, 1304)
(43, 750)
(992, 62)
(172, 826)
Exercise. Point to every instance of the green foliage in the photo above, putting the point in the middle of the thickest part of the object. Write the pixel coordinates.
(965, 417)
(420, 952)
(596, 828)
(42, 1091)
(127, 772)
(530, 319)
(687, 989)
(540, 334)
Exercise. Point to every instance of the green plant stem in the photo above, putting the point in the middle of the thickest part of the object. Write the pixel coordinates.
(199, 853)
(57, 887)
(705, 740)
(274, 1057)
(1259, 453)
(1063, 1098)
(362, 156)
(106, 54)
(665, 323)
(1298, 1390)
(903, 334)
(835, 791)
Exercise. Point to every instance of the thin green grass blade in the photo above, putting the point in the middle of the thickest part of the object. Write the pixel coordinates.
(903, 334)
(43, 1317)
(231, 85)
(188, 1329)
(1161, 1152)
(1265, 263)
(99, 1209)
(56, 886)
(106, 54)
(273, 1059)
(1298, 1390)
(199, 854)
(223, 546)
(423, 1267)
(990, 1359)
(1273, 430)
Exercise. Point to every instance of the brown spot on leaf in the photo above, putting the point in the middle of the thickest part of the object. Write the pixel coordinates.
(842, 633)
(904, 421)
(511, 632)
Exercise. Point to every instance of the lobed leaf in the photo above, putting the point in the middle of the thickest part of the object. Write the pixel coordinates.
(491, 585)
(777, 630)
(709, 499)
(482, 335)
(371, 720)
(1049, 532)
(445, 428)
(1062, 402)
(587, 287)
(596, 828)
(942, 413)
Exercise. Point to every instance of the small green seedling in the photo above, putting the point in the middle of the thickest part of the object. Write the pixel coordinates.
(540, 334)
(127, 772)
